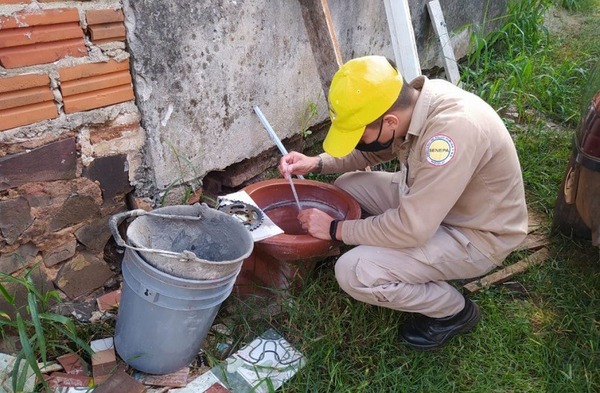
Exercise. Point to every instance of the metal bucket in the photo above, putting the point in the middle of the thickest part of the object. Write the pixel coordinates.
(192, 242)
(164, 319)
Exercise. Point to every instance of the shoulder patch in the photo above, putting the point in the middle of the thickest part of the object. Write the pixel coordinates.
(439, 150)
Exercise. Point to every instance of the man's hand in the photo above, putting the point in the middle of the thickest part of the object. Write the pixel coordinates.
(316, 222)
(295, 163)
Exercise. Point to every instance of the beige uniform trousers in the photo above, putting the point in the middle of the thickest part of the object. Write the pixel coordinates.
(410, 279)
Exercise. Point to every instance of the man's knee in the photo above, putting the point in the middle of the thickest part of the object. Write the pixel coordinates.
(345, 272)
(344, 181)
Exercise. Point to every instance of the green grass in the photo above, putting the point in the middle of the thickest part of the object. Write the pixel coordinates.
(540, 332)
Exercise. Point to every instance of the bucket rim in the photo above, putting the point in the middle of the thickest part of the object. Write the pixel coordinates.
(140, 261)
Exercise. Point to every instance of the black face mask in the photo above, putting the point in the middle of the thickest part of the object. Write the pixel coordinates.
(376, 145)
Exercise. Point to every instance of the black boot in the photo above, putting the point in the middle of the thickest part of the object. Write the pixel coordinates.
(430, 333)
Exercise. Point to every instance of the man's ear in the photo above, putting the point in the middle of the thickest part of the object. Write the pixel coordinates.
(391, 120)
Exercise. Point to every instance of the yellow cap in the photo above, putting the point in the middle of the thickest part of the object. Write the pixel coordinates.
(361, 91)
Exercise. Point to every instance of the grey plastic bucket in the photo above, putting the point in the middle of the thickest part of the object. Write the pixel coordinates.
(164, 319)
(187, 241)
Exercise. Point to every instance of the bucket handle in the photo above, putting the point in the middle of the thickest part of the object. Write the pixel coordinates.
(116, 219)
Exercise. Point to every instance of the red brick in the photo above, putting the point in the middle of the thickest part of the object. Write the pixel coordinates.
(96, 17)
(15, 117)
(45, 17)
(109, 301)
(21, 82)
(25, 97)
(98, 99)
(108, 32)
(93, 83)
(92, 69)
(14, 1)
(41, 53)
(37, 34)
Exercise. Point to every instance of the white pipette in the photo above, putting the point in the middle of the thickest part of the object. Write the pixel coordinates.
(272, 133)
(281, 148)
(289, 176)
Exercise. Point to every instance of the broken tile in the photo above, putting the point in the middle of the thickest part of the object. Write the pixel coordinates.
(73, 364)
(72, 390)
(59, 379)
(262, 365)
(217, 388)
(49, 367)
(121, 382)
(109, 301)
(175, 380)
(198, 385)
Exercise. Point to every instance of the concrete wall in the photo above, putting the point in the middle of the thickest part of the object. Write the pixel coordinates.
(200, 67)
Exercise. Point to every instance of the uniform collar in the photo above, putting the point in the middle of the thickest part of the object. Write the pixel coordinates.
(419, 115)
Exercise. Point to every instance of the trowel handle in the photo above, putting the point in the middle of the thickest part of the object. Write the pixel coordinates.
(118, 218)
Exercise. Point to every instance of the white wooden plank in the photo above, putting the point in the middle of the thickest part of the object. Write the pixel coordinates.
(403, 38)
(439, 25)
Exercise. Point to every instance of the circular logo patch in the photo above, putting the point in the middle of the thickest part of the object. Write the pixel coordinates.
(439, 150)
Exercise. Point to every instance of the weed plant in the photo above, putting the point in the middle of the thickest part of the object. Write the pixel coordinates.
(518, 68)
(42, 334)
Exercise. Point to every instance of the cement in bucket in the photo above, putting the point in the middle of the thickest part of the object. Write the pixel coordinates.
(192, 242)
(163, 319)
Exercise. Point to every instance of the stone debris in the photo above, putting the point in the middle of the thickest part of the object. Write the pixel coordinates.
(262, 365)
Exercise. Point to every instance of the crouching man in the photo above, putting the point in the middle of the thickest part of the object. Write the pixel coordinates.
(454, 209)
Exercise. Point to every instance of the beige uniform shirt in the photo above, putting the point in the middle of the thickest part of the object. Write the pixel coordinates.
(459, 168)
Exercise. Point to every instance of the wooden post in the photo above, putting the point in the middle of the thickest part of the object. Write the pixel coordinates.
(323, 41)
(403, 38)
(439, 25)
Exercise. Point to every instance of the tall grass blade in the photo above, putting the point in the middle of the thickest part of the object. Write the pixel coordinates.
(37, 324)
(27, 349)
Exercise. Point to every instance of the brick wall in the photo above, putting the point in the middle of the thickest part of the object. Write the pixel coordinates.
(70, 138)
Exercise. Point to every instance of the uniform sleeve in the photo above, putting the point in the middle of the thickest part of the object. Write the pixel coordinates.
(356, 160)
(442, 166)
